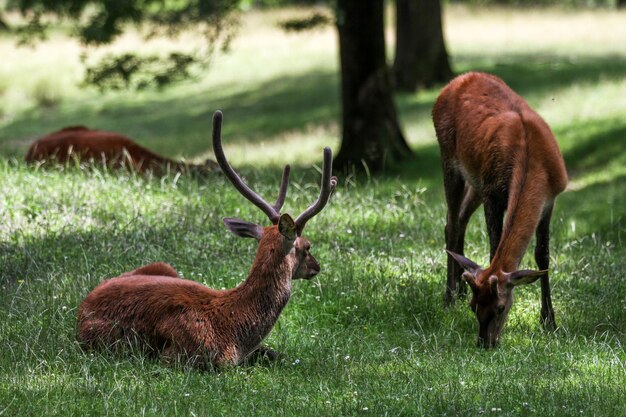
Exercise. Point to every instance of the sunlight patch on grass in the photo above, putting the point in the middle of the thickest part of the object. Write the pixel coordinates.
(302, 147)
(535, 31)
(581, 102)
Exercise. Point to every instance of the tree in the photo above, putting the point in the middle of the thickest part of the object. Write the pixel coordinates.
(421, 56)
(371, 134)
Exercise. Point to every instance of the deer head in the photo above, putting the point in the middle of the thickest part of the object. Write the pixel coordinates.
(284, 229)
(492, 296)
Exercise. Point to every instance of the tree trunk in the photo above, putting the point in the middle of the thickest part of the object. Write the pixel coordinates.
(421, 56)
(371, 134)
(621, 4)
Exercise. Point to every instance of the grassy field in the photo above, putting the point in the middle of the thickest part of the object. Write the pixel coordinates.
(370, 335)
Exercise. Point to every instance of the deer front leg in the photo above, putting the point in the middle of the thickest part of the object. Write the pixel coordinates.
(542, 257)
(494, 215)
(471, 201)
(454, 185)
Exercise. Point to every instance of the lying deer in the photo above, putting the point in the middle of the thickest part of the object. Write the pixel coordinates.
(497, 151)
(181, 319)
(112, 149)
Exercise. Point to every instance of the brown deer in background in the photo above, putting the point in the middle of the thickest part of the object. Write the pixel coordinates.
(181, 319)
(111, 149)
(497, 151)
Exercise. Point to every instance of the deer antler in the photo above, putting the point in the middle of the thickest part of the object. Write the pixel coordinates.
(328, 185)
(284, 183)
(273, 212)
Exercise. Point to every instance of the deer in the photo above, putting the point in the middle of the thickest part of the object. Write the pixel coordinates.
(112, 149)
(496, 151)
(173, 318)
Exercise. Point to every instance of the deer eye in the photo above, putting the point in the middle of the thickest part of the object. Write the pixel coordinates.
(500, 308)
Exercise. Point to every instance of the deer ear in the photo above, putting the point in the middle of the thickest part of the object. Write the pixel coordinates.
(243, 229)
(469, 266)
(524, 276)
(287, 227)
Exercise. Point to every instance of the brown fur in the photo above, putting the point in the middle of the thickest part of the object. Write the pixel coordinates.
(496, 151)
(179, 319)
(113, 149)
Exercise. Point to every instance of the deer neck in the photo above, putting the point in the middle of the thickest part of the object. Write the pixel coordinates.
(527, 201)
(260, 299)
(268, 282)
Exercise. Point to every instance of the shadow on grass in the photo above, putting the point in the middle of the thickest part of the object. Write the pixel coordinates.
(181, 125)
(598, 144)
(530, 74)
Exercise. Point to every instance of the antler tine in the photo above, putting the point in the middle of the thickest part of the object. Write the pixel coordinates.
(328, 185)
(284, 183)
(243, 189)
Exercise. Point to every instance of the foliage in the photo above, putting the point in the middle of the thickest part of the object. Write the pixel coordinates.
(99, 22)
(115, 72)
(370, 335)
(313, 21)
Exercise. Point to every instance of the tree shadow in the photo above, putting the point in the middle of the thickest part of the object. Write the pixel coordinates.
(530, 74)
(603, 141)
(182, 125)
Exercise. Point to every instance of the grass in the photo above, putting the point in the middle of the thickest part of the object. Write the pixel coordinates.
(370, 335)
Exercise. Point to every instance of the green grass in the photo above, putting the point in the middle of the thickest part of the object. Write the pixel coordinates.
(370, 335)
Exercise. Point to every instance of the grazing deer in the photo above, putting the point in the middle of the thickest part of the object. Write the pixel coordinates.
(497, 151)
(181, 319)
(112, 149)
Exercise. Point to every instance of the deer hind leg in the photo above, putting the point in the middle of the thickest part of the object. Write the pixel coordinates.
(454, 185)
(157, 268)
(494, 216)
(96, 333)
(542, 257)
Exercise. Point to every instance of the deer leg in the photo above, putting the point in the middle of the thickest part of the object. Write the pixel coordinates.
(454, 185)
(542, 257)
(494, 215)
(471, 201)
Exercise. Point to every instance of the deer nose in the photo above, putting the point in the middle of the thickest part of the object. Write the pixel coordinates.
(315, 269)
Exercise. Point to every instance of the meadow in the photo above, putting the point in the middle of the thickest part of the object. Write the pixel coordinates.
(369, 335)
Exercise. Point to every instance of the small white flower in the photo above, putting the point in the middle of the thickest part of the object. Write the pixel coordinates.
(296, 362)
